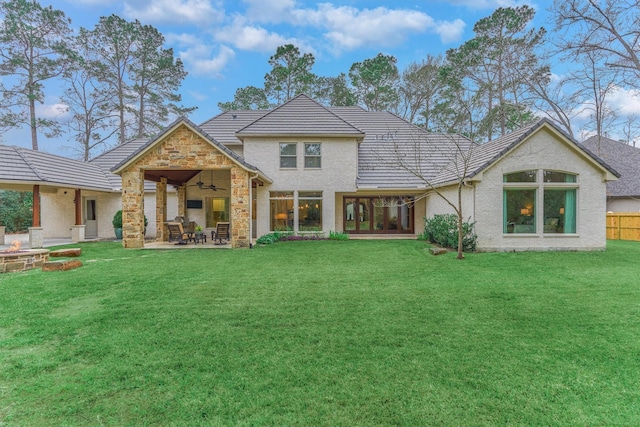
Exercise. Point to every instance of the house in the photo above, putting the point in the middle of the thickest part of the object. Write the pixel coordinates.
(623, 195)
(313, 169)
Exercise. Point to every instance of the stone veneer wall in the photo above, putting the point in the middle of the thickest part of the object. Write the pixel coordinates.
(182, 149)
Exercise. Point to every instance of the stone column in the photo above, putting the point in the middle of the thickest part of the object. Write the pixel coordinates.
(77, 233)
(161, 210)
(182, 201)
(240, 203)
(36, 237)
(133, 208)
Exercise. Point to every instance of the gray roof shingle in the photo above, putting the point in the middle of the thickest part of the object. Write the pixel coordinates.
(301, 116)
(396, 153)
(623, 158)
(25, 165)
(224, 126)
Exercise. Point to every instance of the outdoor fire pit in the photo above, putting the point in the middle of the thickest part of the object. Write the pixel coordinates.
(17, 259)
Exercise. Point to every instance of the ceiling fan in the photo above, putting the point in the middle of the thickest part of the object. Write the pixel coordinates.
(201, 185)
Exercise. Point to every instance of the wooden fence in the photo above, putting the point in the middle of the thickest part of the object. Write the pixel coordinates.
(623, 226)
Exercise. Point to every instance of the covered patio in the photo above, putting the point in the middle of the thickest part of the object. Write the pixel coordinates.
(176, 157)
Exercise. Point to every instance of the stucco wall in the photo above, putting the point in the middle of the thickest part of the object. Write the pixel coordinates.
(544, 150)
(58, 212)
(623, 205)
(337, 174)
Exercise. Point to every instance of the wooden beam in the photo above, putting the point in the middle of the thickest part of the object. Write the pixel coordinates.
(78, 202)
(36, 206)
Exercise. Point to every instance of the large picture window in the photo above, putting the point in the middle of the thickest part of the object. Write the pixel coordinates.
(540, 201)
(310, 210)
(281, 210)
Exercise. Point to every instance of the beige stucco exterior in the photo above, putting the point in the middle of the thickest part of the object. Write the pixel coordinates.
(543, 150)
(623, 204)
(337, 174)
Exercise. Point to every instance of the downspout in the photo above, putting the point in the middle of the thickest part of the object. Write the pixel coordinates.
(251, 178)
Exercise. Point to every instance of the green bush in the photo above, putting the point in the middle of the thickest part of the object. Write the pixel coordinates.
(16, 210)
(335, 235)
(273, 237)
(443, 230)
(117, 220)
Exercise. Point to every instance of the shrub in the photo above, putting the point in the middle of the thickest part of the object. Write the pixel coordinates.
(335, 235)
(117, 220)
(443, 230)
(286, 236)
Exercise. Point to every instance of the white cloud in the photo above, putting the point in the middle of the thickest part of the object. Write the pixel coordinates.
(349, 28)
(201, 60)
(174, 11)
(450, 31)
(625, 102)
(243, 36)
(52, 111)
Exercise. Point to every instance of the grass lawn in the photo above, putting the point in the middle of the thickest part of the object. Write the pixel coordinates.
(355, 333)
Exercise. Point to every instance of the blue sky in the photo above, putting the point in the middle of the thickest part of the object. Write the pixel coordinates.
(227, 44)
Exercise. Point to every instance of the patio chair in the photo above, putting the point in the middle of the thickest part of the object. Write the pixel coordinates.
(221, 232)
(177, 233)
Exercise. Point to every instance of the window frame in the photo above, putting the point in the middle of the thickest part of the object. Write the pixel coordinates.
(567, 216)
(313, 157)
(293, 156)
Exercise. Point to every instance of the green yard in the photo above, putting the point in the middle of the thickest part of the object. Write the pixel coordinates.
(355, 333)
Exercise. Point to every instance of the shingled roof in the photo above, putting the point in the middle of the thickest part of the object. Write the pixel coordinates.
(300, 116)
(23, 166)
(395, 153)
(484, 155)
(623, 158)
(224, 126)
(186, 122)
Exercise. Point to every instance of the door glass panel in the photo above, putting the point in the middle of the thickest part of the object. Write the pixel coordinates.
(364, 215)
(392, 215)
(350, 217)
(217, 210)
(405, 217)
(378, 214)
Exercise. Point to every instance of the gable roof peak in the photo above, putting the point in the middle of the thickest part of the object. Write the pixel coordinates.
(300, 115)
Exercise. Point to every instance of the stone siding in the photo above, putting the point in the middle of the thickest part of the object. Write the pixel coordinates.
(182, 149)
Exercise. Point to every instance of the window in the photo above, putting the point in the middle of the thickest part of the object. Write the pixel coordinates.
(312, 155)
(288, 157)
(310, 211)
(534, 205)
(217, 210)
(281, 210)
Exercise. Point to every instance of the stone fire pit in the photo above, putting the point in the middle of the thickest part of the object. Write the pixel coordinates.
(22, 259)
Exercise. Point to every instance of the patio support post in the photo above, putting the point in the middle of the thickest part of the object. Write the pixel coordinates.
(78, 202)
(133, 208)
(36, 235)
(182, 201)
(240, 204)
(161, 210)
(2, 230)
(36, 206)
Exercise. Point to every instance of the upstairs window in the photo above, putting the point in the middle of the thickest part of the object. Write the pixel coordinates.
(288, 157)
(312, 155)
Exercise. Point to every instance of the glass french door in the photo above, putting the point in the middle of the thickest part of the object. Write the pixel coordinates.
(380, 215)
